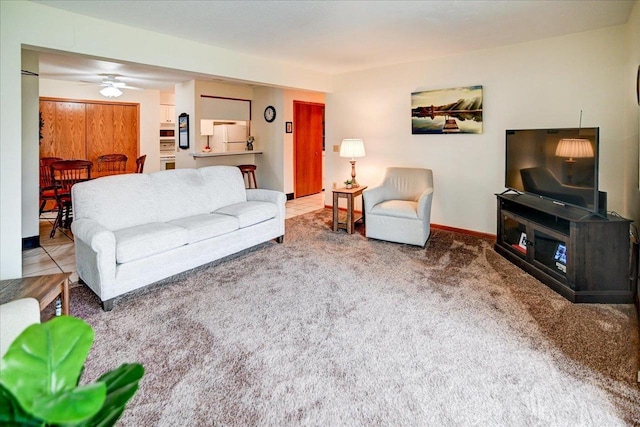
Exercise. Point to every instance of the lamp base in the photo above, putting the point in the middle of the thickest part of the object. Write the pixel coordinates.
(354, 183)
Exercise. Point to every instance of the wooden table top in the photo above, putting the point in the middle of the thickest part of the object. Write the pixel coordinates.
(35, 287)
(345, 190)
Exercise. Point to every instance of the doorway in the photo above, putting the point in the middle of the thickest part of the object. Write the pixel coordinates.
(308, 147)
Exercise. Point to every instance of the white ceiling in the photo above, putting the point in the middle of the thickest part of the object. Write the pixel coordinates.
(332, 36)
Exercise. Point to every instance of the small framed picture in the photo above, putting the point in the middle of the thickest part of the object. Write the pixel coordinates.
(289, 127)
(523, 241)
(183, 130)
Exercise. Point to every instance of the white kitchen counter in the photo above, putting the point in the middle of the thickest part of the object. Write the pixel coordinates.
(225, 153)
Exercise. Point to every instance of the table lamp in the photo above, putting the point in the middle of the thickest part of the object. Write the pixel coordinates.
(353, 148)
(206, 128)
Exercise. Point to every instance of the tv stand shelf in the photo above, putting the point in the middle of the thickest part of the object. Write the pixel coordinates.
(583, 257)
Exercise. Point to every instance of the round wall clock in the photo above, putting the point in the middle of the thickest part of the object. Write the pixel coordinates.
(269, 114)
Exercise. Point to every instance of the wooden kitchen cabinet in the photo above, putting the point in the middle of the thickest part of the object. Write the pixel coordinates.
(63, 131)
(88, 129)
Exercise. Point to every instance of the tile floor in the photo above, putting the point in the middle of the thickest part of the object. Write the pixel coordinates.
(57, 254)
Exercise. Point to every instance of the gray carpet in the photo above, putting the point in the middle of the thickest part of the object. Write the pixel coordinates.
(332, 329)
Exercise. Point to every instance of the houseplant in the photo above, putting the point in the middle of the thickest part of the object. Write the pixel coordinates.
(40, 375)
(348, 183)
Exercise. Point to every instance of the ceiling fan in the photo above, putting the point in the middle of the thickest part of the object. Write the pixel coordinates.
(112, 85)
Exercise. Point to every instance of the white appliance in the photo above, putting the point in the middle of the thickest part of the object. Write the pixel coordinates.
(167, 155)
(230, 137)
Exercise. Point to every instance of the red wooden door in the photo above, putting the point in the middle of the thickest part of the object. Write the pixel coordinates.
(308, 132)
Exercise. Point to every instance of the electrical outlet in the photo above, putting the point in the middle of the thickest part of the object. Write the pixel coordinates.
(336, 149)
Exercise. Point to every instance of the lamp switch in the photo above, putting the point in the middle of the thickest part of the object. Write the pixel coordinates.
(336, 148)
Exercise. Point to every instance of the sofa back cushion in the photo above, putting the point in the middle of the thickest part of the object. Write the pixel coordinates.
(180, 192)
(224, 185)
(117, 201)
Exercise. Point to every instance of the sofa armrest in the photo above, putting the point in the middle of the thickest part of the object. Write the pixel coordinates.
(262, 195)
(424, 204)
(94, 235)
(276, 197)
(95, 248)
(373, 196)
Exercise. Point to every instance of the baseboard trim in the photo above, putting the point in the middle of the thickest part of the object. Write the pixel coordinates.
(30, 242)
(441, 227)
(464, 231)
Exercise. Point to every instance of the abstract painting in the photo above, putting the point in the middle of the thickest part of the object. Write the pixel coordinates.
(447, 111)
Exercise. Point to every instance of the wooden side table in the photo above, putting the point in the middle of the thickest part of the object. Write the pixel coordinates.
(350, 194)
(43, 288)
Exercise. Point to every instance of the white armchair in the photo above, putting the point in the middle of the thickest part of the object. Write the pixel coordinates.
(399, 210)
(15, 317)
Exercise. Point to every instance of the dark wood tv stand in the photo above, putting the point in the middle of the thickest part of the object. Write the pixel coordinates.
(533, 233)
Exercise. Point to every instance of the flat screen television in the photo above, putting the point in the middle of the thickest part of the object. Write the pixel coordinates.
(556, 164)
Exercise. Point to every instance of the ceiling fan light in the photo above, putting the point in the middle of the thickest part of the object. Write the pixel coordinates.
(110, 92)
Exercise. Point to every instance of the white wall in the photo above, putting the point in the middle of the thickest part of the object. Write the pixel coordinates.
(30, 147)
(531, 85)
(149, 101)
(269, 137)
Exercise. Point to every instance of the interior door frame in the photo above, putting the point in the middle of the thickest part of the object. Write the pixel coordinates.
(296, 127)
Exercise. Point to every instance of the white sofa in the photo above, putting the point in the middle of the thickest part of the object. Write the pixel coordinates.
(399, 209)
(135, 229)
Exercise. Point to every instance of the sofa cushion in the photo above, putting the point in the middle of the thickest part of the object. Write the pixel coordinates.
(142, 241)
(249, 213)
(117, 201)
(180, 193)
(397, 208)
(224, 186)
(206, 226)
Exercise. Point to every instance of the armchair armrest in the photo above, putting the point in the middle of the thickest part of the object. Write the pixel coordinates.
(373, 196)
(424, 204)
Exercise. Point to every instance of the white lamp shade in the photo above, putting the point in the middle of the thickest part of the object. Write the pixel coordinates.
(352, 147)
(574, 147)
(110, 92)
(206, 127)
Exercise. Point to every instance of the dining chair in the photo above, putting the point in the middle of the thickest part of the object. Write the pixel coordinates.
(46, 182)
(112, 164)
(140, 163)
(65, 174)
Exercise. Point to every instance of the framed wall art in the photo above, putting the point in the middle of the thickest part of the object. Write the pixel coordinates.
(183, 131)
(289, 127)
(447, 111)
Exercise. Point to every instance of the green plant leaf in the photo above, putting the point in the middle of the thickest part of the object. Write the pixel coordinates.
(11, 414)
(46, 359)
(122, 384)
(71, 406)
